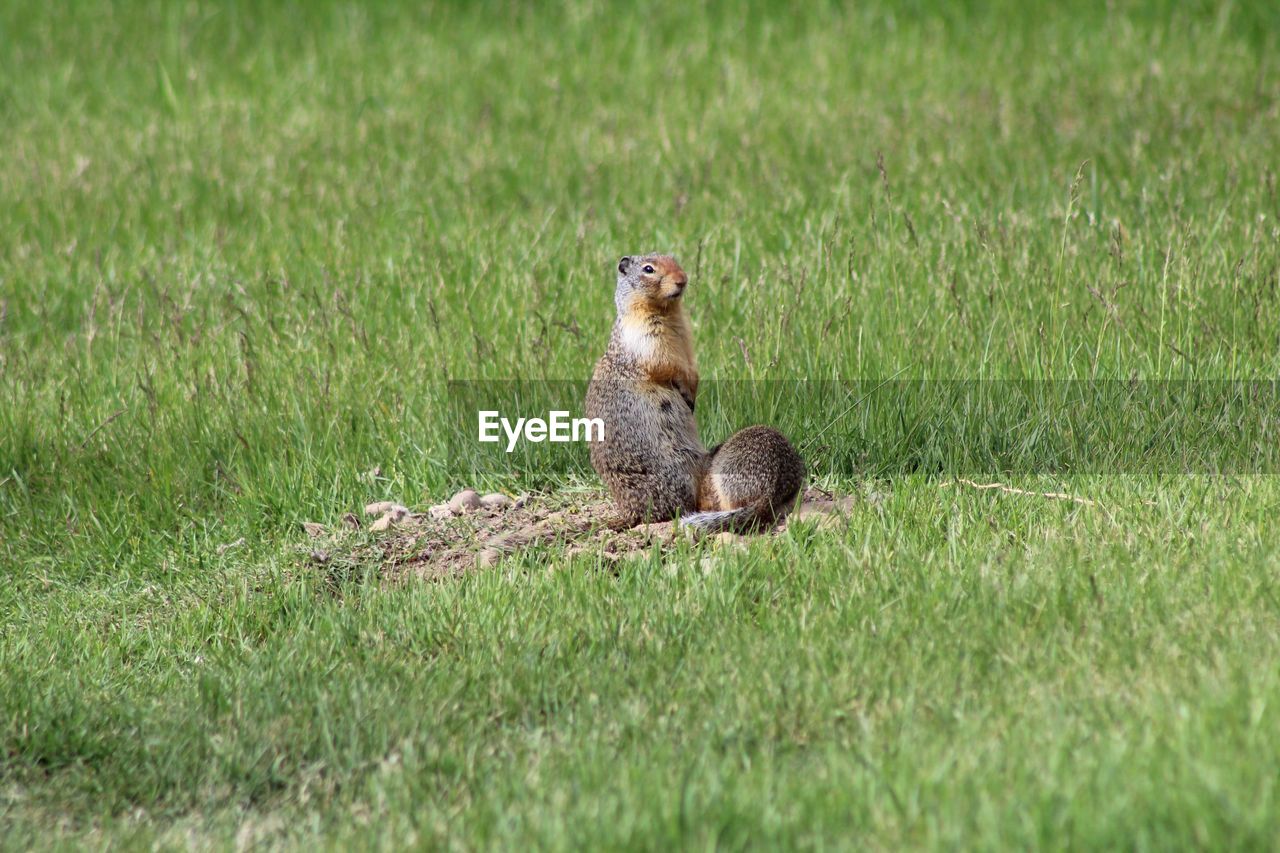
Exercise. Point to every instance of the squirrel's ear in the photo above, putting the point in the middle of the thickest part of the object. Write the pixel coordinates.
(623, 264)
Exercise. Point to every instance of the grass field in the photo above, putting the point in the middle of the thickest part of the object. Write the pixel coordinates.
(244, 247)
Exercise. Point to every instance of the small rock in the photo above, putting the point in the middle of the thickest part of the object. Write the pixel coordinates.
(314, 529)
(464, 501)
(495, 500)
(379, 507)
(440, 512)
(727, 538)
(351, 521)
(488, 557)
(395, 515)
(319, 556)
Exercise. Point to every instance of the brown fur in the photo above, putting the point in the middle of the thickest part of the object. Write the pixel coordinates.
(645, 389)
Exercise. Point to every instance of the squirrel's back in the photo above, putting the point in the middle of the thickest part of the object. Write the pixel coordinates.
(752, 480)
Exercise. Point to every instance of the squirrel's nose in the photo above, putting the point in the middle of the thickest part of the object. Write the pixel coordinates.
(680, 279)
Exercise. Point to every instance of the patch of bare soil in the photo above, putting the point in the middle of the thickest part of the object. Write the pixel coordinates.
(471, 532)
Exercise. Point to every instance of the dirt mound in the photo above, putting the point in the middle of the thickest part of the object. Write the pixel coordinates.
(469, 533)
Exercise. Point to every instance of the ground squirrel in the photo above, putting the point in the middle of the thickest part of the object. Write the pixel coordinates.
(644, 389)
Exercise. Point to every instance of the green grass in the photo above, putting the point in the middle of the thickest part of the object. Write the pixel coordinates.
(243, 249)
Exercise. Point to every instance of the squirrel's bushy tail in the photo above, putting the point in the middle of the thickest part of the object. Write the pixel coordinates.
(720, 520)
(745, 519)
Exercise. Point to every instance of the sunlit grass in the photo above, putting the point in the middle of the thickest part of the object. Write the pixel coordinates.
(245, 248)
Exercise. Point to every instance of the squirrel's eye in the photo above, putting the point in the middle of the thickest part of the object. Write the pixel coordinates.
(648, 268)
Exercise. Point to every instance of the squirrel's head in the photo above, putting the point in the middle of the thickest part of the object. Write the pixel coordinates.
(653, 281)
